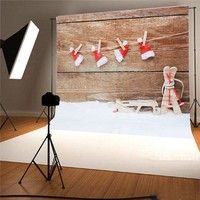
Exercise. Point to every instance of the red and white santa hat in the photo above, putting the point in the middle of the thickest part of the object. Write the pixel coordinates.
(122, 51)
(99, 57)
(77, 57)
(145, 50)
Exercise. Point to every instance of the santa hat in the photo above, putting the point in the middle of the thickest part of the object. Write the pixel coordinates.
(145, 50)
(99, 57)
(121, 52)
(77, 57)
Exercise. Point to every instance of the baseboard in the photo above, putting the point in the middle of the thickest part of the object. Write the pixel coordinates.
(22, 113)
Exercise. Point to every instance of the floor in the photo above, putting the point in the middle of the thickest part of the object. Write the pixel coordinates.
(22, 124)
(90, 183)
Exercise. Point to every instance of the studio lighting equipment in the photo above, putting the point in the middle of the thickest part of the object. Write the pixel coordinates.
(49, 100)
(51, 83)
(17, 50)
(195, 102)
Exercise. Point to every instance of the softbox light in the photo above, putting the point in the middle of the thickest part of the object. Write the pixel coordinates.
(17, 49)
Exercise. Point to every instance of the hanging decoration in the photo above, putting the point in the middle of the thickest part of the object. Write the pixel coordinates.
(99, 57)
(171, 99)
(145, 49)
(121, 52)
(76, 55)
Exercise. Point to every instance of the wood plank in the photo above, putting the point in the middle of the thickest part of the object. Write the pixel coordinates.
(122, 184)
(172, 51)
(111, 86)
(97, 183)
(136, 13)
(167, 33)
(131, 63)
(124, 82)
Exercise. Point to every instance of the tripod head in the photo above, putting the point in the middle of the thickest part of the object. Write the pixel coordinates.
(49, 99)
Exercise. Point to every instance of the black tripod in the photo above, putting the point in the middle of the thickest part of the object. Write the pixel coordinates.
(7, 118)
(195, 102)
(55, 163)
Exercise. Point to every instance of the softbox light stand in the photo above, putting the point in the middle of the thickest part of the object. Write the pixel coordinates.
(51, 47)
(55, 163)
(195, 102)
(2, 42)
(16, 50)
(6, 119)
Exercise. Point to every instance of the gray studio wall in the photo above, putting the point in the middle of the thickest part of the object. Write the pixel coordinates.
(23, 97)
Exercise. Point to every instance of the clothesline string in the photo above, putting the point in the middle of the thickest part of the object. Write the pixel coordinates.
(149, 40)
(168, 36)
(162, 37)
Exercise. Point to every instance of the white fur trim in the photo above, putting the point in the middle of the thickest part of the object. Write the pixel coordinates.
(125, 42)
(102, 61)
(79, 60)
(139, 40)
(147, 55)
(93, 48)
(118, 55)
(71, 49)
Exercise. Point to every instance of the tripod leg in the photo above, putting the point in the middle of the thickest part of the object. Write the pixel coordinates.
(53, 167)
(57, 164)
(4, 122)
(12, 123)
(55, 154)
(20, 181)
(191, 106)
(198, 103)
(199, 106)
(7, 118)
(63, 186)
(43, 111)
(32, 161)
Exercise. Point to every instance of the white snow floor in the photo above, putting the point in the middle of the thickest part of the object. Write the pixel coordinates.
(90, 135)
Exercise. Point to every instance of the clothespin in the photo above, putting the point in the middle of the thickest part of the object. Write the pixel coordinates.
(77, 49)
(144, 38)
(99, 46)
(120, 44)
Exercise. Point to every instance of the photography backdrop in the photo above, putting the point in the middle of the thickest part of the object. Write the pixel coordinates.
(37, 77)
(133, 78)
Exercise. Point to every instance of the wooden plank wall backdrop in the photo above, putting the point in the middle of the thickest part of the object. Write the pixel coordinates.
(133, 78)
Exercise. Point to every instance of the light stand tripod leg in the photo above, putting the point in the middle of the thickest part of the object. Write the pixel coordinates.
(12, 123)
(4, 122)
(7, 118)
(195, 103)
(43, 111)
(198, 103)
(33, 161)
(191, 106)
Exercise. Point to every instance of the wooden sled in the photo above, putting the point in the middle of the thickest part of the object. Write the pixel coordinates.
(136, 105)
